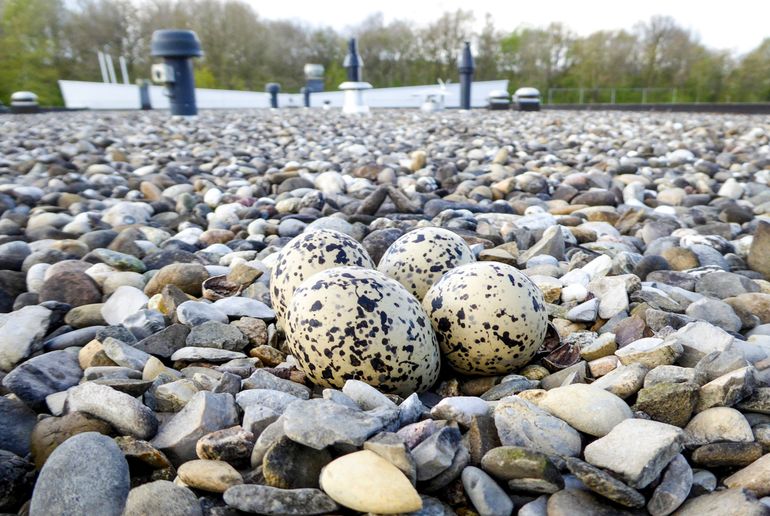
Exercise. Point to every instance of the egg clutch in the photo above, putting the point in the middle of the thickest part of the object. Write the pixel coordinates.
(390, 326)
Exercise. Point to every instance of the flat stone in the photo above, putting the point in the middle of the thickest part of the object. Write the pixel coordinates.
(244, 307)
(319, 423)
(509, 386)
(16, 422)
(584, 312)
(636, 450)
(162, 497)
(718, 424)
(275, 400)
(125, 301)
(214, 476)
(188, 277)
(673, 489)
(521, 423)
(124, 354)
(115, 259)
(716, 312)
(570, 502)
(165, 342)
(190, 354)
(728, 502)
(214, 334)
(720, 285)
(262, 379)
(274, 501)
(612, 294)
(482, 437)
(650, 352)
(21, 333)
(290, 465)
(586, 408)
(460, 408)
(442, 481)
(603, 366)
(698, 339)
(573, 374)
(719, 455)
(759, 401)
(487, 497)
(17, 478)
(671, 403)
(727, 390)
(67, 486)
(411, 410)
(127, 415)
(391, 447)
(703, 482)
(231, 445)
(366, 396)
(193, 313)
(254, 329)
(365, 482)
(624, 381)
(436, 453)
(754, 304)
(760, 250)
(674, 374)
(256, 419)
(206, 412)
(174, 396)
(755, 477)
(32, 381)
(537, 507)
(516, 463)
(601, 346)
(141, 457)
(629, 330)
(50, 432)
(133, 387)
(604, 484)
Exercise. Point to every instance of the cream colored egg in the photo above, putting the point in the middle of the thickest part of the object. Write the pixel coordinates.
(306, 254)
(419, 258)
(355, 323)
(489, 318)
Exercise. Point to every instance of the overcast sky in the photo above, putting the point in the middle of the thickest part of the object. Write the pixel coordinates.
(737, 25)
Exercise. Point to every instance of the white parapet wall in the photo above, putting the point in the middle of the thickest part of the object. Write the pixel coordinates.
(100, 95)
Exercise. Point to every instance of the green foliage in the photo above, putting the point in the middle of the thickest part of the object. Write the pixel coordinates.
(29, 48)
(45, 40)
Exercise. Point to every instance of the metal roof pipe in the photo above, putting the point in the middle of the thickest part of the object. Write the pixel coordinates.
(102, 66)
(177, 48)
(466, 68)
(273, 88)
(353, 62)
(144, 94)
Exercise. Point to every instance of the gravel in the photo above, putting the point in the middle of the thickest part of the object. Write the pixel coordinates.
(136, 308)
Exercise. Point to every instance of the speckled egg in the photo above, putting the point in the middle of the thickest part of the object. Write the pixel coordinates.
(306, 254)
(489, 318)
(419, 258)
(351, 322)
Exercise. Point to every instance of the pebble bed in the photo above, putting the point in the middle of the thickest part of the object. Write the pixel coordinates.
(145, 371)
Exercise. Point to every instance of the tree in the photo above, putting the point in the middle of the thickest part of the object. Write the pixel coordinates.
(440, 44)
(751, 78)
(488, 49)
(30, 48)
(539, 57)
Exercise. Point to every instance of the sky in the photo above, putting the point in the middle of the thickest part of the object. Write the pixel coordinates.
(737, 25)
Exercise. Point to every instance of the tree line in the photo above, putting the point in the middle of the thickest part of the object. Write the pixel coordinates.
(45, 40)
